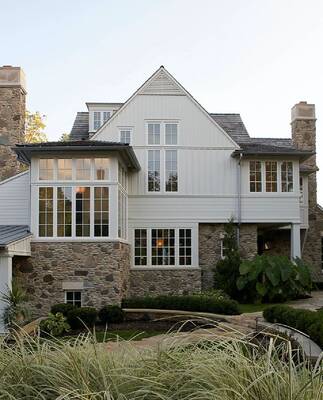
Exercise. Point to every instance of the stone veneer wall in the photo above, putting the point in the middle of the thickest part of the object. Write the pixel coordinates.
(103, 267)
(148, 281)
(210, 236)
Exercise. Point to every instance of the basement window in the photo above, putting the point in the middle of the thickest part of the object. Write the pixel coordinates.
(74, 298)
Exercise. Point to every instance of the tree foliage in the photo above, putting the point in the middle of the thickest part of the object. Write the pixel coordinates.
(35, 125)
(65, 137)
(16, 311)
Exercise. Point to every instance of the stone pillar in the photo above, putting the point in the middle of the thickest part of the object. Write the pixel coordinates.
(12, 117)
(295, 241)
(5, 285)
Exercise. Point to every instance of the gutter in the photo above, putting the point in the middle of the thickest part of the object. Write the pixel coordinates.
(239, 196)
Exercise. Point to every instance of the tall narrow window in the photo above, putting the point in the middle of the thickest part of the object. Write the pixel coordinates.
(185, 247)
(46, 169)
(125, 136)
(271, 176)
(153, 133)
(101, 167)
(106, 115)
(83, 169)
(45, 224)
(140, 247)
(287, 176)
(64, 211)
(163, 246)
(170, 133)
(82, 211)
(101, 211)
(255, 176)
(122, 215)
(171, 171)
(97, 120)
(153, 170)
(64, 172)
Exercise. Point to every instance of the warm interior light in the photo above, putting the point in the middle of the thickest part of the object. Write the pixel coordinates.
(80, 189)
(160, 243)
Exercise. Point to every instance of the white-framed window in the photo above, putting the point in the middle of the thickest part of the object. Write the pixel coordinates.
(106, 115)
(45, 212)
(255, 176)
(73, 297)
(163, 247)
(64, 169)
(140, 247)
(122, 214)
(153, 133)
(96, 120)
(223, 249)
(46, 169)
(171, 133)
(122, 176)
(125, 135)
(101, 211)
(287, 176)
(83, 169)
(171, 177)
(101, 169)
(185, 247)
(271, 176)
(64, 211)
(82, 211)
(153, 170)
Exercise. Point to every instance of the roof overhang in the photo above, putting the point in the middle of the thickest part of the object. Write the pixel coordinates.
(26, 151)
(15, 240)
(299, 155)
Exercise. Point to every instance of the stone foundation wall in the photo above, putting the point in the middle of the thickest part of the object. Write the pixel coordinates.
(210, 236)
(103, 268)
(166, 281)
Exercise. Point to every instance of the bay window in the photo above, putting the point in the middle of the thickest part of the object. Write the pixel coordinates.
(64, 169)
(82, 211)
(255, 176)
(287, 176)
(64, 211)
(46, 209)
(46, 169)
(101, 169)
(83, 169)
(101, 211)
(271, 176)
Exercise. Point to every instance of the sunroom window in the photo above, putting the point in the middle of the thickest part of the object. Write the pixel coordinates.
(64, 169)
(271, 176)
(101, 169)
(82, 215)
(287, 176)
(101, 211)
(83, 169)
(46, 169)
(255, 177)
(64, 211)
(45, 215)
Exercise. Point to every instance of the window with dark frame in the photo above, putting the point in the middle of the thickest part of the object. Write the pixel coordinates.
(73, 297)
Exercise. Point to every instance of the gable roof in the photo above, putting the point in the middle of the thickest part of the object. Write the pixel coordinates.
(12, 233)
(233, 125)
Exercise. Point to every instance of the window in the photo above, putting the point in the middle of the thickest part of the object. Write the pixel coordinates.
(163, 246)
(64, 172)
(287, 176)
(64, 211)
(223, 249)
(153, 133)
(101, 211)
(125, 136)
(255, 176)
(106, 115)
(74, 298)
(271, 176)
(122, 215)
(82, 211)
(83, 169)
(97, 120)
(101, 166)
(140, 247)
(45, 224)
(153, 170)
(171, 170)
(170, 133)
(46, 169)
(122, 176)
(185, 247)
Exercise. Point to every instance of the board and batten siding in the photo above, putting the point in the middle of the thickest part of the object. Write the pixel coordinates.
(15, 200)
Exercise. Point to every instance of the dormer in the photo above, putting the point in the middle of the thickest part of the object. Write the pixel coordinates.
(99, 113)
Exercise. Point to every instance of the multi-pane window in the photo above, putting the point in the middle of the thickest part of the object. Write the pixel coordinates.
(125, 136)
(153, 170)
(73, 297)
(45, 223)
(97, 120)
(101, 169)
(287, 176)
(106, 115)
(122, 215)
(101, 211)
(153, 133)
(82, 211)
(163, 246)
(46, 169)
(171, 171)
(140, 247)
(185, 247)
(83, 169)
(64, 169)
(223, 249)
(271, 176)
(64, 211)
(122, 176)
(170, 133)
(255, 176)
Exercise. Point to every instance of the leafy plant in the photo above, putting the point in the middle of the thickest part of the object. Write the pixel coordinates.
(273, 278)
(111, 314)
(55, 324)
(16, 311)
(79, 317)
(63, 308)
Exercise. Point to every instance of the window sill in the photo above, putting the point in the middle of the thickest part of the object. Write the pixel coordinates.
(166, 268)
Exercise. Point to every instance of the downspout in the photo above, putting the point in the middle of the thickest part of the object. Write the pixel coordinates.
(239, 198)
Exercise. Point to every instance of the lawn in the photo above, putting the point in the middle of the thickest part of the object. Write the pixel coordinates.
(250, 308)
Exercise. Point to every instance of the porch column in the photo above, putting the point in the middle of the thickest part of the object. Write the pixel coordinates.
(295, 241)
(5, 283)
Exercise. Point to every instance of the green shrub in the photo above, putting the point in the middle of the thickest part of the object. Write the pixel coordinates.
(63, 308)
(201, 303)
(79, 317)
(273, 279)
(54, 324)
(218, 294)
(111, 314)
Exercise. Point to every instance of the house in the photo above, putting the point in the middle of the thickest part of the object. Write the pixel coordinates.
(136, 201)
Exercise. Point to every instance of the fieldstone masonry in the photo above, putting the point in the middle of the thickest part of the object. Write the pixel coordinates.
(102, 268)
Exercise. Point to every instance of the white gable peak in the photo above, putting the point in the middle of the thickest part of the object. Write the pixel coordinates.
(161, 83)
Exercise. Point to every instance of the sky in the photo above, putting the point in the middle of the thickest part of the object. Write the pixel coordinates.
(257, 58)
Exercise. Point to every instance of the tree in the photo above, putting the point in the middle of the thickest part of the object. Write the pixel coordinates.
(65, 137)
(35, 125)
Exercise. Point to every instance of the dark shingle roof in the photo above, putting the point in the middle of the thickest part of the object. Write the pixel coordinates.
(80, 128)
(233, 125)
(12, 233)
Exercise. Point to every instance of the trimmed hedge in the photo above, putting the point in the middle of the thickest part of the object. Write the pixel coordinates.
(201, 303)
(62, 308)
(79, 317)
(111, 314)
(309, 322)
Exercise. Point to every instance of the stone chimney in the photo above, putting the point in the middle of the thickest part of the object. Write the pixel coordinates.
(12, 117)
(304, 138)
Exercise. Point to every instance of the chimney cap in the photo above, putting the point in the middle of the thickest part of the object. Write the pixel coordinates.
(12, 77)
(303, 110)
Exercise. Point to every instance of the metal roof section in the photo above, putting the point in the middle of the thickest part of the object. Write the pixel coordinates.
(80, 129)
(13, 233)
